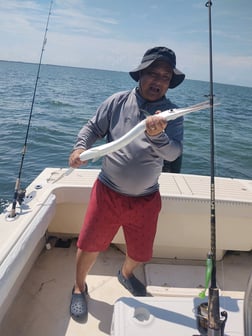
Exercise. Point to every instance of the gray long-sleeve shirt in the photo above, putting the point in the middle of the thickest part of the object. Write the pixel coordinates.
(134, 169)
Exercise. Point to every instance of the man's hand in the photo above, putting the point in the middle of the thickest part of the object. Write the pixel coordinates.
(155, 124)
(74, 158)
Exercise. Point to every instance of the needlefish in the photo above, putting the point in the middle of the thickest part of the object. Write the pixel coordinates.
(96, 152)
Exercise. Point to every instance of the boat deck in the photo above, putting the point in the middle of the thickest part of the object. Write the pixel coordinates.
(42, 305)
(55, 204)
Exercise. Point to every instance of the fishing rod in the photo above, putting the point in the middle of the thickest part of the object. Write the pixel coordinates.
(213, 324)
(18, 192)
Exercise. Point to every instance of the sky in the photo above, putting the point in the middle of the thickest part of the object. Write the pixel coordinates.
(114, 34)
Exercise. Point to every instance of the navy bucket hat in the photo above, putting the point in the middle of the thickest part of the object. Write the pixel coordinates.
(159, 53)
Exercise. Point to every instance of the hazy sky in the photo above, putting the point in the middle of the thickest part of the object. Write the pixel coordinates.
(114, 34)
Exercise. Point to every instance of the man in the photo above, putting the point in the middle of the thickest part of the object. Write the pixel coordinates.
(126, 192)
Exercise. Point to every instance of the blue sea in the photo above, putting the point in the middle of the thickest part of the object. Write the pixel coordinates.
(67, 97)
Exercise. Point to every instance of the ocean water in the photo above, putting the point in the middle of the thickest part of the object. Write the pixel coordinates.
(67, 97)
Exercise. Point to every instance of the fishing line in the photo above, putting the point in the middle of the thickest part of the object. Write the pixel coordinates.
(18, 193)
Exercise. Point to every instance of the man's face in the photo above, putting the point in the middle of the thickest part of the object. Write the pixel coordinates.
(154, 81)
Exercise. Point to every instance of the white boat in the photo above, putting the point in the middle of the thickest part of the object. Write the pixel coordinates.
(37, 259)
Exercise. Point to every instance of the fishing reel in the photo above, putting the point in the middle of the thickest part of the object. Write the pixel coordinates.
(203, 324)
(208, 321)
(21, 196)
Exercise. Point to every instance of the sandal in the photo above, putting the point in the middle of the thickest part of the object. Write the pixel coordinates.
(78, 306)
(132, 284)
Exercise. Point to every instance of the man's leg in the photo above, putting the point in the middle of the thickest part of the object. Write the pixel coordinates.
(84, 262)
(128, 280)
(79, 304)
(129, 266)
(139, 231)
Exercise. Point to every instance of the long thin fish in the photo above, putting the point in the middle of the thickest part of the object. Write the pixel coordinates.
(96, 152)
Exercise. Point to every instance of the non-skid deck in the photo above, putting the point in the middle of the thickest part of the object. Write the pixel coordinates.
(42, 304)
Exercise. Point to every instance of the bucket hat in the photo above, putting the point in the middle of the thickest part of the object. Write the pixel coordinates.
(159, 53)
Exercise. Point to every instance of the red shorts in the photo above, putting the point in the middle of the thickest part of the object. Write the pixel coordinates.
(108, 211)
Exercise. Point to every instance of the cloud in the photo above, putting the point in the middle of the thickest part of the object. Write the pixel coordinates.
(83, 35)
